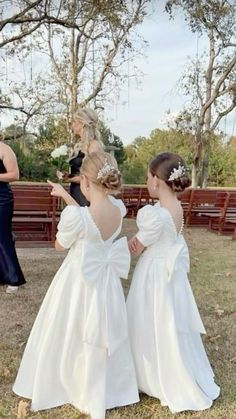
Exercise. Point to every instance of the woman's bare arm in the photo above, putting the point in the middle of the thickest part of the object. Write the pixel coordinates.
(9, 160)
(135, 247)
(58, 246)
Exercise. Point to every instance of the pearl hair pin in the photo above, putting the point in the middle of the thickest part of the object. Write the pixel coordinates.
(107, 168)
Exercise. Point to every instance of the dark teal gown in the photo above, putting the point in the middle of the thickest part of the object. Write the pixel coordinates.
(10, 270)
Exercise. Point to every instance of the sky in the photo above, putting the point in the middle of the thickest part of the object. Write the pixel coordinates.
(142, 108)
(170, 45)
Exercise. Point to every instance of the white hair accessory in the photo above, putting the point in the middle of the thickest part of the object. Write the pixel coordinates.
(177, 173)
(106, 168)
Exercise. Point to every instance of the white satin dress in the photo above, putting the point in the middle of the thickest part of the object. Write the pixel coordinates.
(164, 321)
(78, 350)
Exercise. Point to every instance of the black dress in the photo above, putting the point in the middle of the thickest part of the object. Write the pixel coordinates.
(75, 190)
(10, 271)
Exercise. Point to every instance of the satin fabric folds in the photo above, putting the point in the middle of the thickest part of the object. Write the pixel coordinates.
(164, 321)
(78, 351)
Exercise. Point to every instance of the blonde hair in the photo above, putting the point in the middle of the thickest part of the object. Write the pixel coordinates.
(101, 168)
(89, 132)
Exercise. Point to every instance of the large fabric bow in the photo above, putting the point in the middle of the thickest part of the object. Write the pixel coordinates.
(105, 312)
(187, 316)
(178, 258)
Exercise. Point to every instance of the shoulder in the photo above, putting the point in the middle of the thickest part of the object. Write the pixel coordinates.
(71, 226)
(118, 203)
(149, 211)
(149, 215)
(72, 219)
(71, 212)
(6, 150)
(95, 146)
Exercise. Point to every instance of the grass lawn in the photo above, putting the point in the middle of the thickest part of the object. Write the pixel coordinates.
(213, 279)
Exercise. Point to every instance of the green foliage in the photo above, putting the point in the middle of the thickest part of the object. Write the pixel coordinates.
(142, 150)
(34, 153)
(36, 164)
(33, 166)
(134, 174)
(222, 162)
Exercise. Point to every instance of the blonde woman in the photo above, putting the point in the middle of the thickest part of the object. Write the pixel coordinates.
(78, 351)
(84, 127)
(10, 271)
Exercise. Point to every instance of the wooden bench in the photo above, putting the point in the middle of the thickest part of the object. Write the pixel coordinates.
(202, 203)
(34, 214)
(145, 198)
(225, 221)
(185, 198)
(131, 197)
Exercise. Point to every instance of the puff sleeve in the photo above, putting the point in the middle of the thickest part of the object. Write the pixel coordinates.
(149, 225)
(119, 203)
(70, 227)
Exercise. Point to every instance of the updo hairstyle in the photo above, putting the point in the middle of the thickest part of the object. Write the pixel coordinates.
(101, 168)
(89, 132)
(172, 169)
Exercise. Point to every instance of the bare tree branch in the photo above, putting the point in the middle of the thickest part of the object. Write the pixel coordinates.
(221, 115)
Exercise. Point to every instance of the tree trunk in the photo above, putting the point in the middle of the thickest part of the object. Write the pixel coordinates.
(205, 162)
(197, 157)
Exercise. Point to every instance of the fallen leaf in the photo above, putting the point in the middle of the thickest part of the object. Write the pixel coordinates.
(218, 310)
(214, 337)
(22, 409)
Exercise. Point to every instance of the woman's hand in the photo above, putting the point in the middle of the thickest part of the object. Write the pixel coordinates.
(60, 192)
(135, 247)
(132, 243)
(57, 189)
(60, 175)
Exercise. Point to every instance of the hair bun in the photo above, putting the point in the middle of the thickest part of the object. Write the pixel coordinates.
(180, 184)
(111, 180)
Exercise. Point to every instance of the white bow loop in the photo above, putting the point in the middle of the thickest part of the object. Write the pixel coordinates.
(105, 311)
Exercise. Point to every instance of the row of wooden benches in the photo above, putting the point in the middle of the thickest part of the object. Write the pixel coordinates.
(36, 212)
(202, 207)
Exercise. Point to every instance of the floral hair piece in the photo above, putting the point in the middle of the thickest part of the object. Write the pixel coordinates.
(177, 173)
(106, 168)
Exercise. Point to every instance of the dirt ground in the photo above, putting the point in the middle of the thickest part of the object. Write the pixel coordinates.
(213, 279)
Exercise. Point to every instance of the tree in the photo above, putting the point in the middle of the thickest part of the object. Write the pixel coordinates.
(210, 80)
(222, 163)
(86, 42)
(142, 150)
(111, 140)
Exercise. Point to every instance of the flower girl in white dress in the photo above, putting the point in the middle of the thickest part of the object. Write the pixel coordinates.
(78, 350)
(164, 322)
